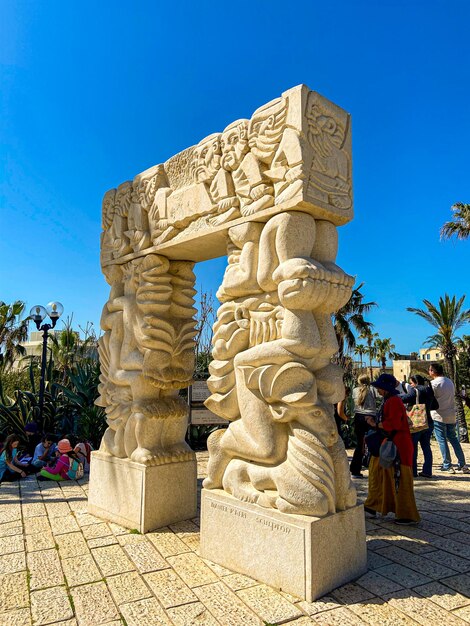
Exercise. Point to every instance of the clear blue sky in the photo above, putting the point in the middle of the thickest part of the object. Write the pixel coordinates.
(92, 93)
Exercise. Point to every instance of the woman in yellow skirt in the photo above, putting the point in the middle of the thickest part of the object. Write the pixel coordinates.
(391, 489)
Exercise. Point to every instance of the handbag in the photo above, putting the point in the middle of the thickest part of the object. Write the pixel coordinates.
(388, 453)
(373, 441)
(417, 416)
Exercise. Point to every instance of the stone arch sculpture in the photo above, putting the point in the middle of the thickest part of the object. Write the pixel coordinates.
(269, 192)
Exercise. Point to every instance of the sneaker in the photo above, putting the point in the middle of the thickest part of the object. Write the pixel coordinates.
(464, 469)
(423, 475)
(357, 475)
(449, 470)
(405, 522)
(370, 512)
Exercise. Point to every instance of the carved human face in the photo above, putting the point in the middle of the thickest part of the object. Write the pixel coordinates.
(234, 144)
(206, 159)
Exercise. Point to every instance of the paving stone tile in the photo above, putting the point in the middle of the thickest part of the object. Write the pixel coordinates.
(226, 606)
(169, 588)
(167, 543)
(145, 557)
(118, 530)
(10, 513)
(57, 509)
(73, 622)
(85, 519)
(375, 560)
(146, 611)
(418, 563)
(131, 538)
(127, 587)
(463, 613)
(421, 609)
(218, 569)
(449, 599)
(192, 569)
(78, 506)
(14, 592)
(40, 541)
(50, 605)
(192, 615)
(188, 532)
(378, 585)
(447, 522)
(11, 544)
(454, 547)
(326, 603)
(71, 545)
(402, 575)
(9, 529)
(80, 570)
(35, 525)
(18, 617)
(268, 604)
(457, 563)
(350, 593)
(45, 569)
(93, 604)
(14, 562)
(376, 611)
(436, 528)
(337, 617)
(64, 524)
(460, 583)
(239, 581)
(94, 531)
(33, 509)
(460, 536)
(102, 541)
(112, 560)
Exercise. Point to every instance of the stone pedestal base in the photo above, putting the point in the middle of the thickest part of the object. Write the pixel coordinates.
(301, 555)
(140, 496)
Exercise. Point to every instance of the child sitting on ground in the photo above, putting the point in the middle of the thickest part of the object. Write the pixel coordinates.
(61, 470)
(83, 450)
(44, 453)
(10, 468)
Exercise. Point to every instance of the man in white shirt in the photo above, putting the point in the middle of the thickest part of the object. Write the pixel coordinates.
(444, 419)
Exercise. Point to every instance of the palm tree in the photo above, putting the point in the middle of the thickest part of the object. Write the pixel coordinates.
(447, 318)
(360, 350)
(13, 331)
(350, 318)
(369, 337)
(460, 224)
(384, 349)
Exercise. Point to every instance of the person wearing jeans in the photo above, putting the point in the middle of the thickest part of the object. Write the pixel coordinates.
(445, 419)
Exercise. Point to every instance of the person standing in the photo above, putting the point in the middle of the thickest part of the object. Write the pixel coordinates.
(445, 419)
(421, 394)
(391, 489)
(364, 406)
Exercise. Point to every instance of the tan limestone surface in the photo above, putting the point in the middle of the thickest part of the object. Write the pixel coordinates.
(96, 573)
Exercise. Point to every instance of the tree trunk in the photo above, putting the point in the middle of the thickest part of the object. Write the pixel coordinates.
(462, 428)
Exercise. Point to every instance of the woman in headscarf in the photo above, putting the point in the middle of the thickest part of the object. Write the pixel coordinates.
(391, 490)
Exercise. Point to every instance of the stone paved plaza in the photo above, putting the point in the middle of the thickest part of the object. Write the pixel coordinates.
(59, 565)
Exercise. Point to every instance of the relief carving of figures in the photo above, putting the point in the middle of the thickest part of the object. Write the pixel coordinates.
(271, 375)
(330, 173)
(147, 355)
(115, 241)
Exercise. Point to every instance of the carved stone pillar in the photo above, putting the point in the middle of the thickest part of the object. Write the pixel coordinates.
(144, 475)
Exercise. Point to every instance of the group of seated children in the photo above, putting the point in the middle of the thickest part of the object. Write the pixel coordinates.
(53, 461)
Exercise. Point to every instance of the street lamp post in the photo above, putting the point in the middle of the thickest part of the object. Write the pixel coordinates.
(38, 313)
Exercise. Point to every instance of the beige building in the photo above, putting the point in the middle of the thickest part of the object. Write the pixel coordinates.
(415, 363)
